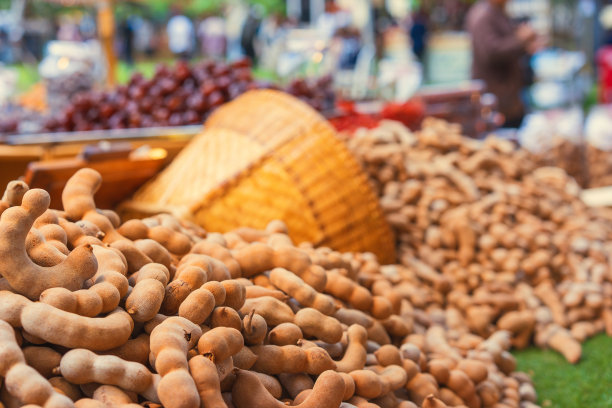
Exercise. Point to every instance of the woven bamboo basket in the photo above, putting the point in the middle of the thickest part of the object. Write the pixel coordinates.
(266, 156)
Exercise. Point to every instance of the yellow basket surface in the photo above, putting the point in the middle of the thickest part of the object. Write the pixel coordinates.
(267, 156)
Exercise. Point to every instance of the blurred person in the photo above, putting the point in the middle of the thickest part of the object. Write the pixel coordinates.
(144, 36)
(180, 35)
(87, 27)
(269, 41)
(127, 34)
(418, 33)
(498, 47)
(211, 34)
(249, 33)
(236, 14)
(350, 46)
(68, 31)
(382, 21)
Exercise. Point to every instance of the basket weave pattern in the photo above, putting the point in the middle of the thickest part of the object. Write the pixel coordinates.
(269, 156)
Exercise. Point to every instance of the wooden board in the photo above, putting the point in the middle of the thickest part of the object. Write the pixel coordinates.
(121, 177)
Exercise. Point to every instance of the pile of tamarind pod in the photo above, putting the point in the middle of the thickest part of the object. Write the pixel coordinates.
(157, 312)
(599, 166)
(489, 242)
(568, 155)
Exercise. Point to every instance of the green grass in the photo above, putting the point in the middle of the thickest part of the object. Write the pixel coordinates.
(562, 385)
(146, 67)
(27, 75)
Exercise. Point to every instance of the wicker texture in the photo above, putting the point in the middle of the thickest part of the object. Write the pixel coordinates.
(269, 156)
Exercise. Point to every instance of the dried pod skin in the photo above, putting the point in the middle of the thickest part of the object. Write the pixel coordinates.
(249, 392)
(80, 366)
(254, 329)
(285, 334)
(224, 316)
(205, 376)
(73, 331)
(355, 355)
(315, 324)
(197, 306)
(220, 343)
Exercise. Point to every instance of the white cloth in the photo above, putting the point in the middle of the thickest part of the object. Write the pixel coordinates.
(180, 34)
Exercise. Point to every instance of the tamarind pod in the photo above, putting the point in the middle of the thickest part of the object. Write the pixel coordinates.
(359, 402)
(349, 291)
(61, 385)
(206, 380)
(355, 355)
(378, 334)
(134, 230)
(254, 328)
(175, 294)
(22, 274)
(476, 370)
(41, 250)
(564, 343)
(42, 359)
(136, 350)
(197, 306)
(11, 305)
(388, 355)
(194, 275)
(279, 359)
(313, 323)
(223, 316)
(296, 383)
(255, 291)
(420, 386)
(295, 287)
(272, 310)
(244, 359)
(135, 258)
(170, 342)
(219, 252)
(349, 386)
(112, 268)
(220, 343)
(461, 384)
(318, 361)
(145, 300)
(80, 366)
(22, 381)
(154, 322)
(156, 271)
(111, 395)
(218, 291)
(292, 259)
(353, 316)
(381, 308)
(14, 192)
(254, 259)
(271, 384)
(73, 331)
(102, 297)
(367, 384)
(285, 334)
(249, 392)
(174, 241)
(235, 294)
(224, 368)
(395, 376)
(432, 402)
